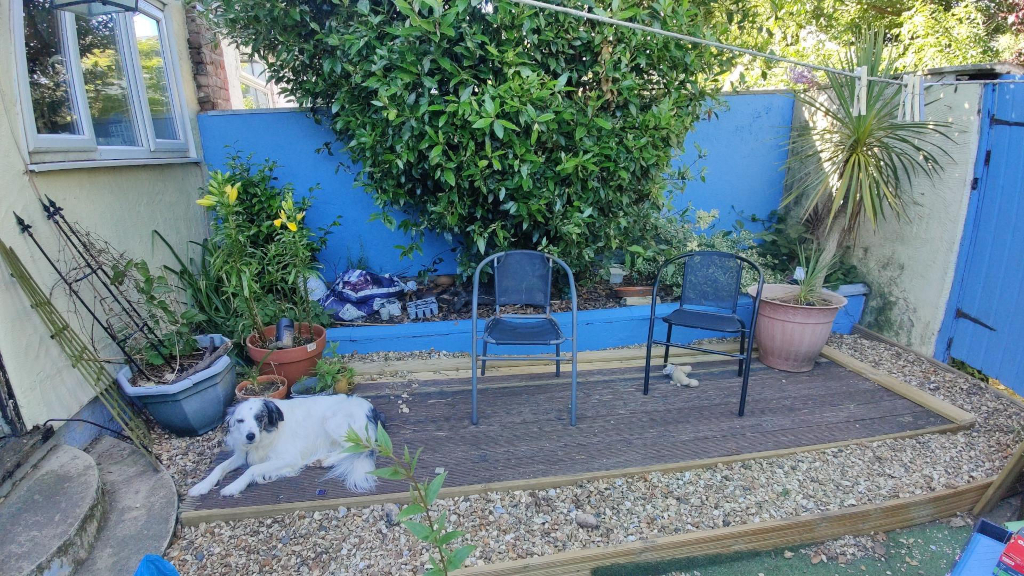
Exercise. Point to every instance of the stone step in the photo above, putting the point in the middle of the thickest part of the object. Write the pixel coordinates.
(142, 507)
(19, 454)
(51, 517)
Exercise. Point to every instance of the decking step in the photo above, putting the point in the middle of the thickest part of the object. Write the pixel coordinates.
(142, 505)
(51, 517)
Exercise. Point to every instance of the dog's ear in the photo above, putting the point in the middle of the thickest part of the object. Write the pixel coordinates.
(229, 416)
(274, 415)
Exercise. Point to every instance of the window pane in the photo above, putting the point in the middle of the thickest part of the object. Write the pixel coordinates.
(253, 97)
(47, 71)
(154, 74)
(106, 85)
(255, 68)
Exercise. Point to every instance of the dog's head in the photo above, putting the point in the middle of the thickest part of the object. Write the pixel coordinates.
(249, 420)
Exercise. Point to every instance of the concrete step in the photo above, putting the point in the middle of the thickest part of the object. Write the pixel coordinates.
(51, 517)
(142, 507)
(19, 454)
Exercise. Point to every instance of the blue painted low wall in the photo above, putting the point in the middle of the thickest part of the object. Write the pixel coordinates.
(744, 145)
(598, 329)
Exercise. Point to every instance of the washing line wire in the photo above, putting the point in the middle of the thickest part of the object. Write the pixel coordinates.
(696, 40)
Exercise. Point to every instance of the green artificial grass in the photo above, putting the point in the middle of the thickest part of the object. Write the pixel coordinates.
(928, 549)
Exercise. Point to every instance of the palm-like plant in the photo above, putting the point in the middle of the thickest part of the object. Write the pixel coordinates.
(845, 167)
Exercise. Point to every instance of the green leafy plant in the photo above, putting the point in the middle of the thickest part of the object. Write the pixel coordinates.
(173, 323)
(255, 266)
(498, 125)
(329, 370)
(781, 242)
(815, 269)
(845, 167)
(417, 517)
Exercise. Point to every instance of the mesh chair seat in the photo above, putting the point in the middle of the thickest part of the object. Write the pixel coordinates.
(523, 332)
(703, 319)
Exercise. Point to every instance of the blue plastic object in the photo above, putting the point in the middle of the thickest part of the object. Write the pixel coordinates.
(153, 565)
(982, 552)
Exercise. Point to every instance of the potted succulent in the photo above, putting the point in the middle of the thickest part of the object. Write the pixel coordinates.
(794, 321)
(183, 380)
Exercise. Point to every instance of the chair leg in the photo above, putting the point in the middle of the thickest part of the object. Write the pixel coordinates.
(483, 363)
(746, 374)
(558, 363)
(668, 338)
(572, 401)
(472, 354)
(743, 346)
(647, 368)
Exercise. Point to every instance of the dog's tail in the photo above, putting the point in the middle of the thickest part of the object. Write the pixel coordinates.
(355, 469)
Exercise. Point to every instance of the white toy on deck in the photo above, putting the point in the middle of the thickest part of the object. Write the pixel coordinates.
(679, 377)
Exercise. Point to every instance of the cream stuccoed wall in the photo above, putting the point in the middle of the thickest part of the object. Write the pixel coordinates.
(122, 204)
(909, 264)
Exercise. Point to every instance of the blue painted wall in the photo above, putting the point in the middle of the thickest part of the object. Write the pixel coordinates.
(598, 329)
(744, 144)
(746, 148)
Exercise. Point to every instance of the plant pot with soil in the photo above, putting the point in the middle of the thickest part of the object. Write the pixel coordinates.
(794, 321)
(332, 376)
(192, 403)
(292, 363)
(262, 387)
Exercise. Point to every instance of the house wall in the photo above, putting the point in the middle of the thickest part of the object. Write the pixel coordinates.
(910, 264)
(744, 145)
(122, 204)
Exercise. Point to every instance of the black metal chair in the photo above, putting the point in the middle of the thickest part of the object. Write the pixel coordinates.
(708, 300)
(523, 278)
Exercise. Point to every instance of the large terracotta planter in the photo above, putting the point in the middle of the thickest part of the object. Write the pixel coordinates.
(633, 291)
(790, 337)
(291, 363)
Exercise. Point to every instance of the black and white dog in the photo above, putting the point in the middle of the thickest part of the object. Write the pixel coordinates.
(278, 438)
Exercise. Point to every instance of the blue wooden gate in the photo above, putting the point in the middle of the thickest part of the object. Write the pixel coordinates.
(984, 323)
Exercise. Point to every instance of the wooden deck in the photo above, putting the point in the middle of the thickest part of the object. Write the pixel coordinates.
(524, 440)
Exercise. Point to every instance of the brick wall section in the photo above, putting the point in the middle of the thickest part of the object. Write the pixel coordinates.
(207, 65)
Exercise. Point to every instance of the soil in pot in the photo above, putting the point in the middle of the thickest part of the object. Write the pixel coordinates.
(178, 368)
(291, 363)
(264, 387)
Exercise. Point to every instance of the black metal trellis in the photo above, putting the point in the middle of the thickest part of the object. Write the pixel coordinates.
(55, 214)
(26, 228)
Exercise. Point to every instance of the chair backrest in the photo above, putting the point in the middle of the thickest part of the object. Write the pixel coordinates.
(711, 280)
(522, 277)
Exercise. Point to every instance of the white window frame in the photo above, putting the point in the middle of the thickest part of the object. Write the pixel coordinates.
(54, 151)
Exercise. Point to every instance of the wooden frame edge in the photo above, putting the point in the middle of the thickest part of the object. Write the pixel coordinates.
(862, 519)
(915, 395)
(196, 517)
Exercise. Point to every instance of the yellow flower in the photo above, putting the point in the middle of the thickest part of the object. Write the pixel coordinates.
(207, 201)
(231, 191)
(292, 226)
(278, 222)
(300, 216)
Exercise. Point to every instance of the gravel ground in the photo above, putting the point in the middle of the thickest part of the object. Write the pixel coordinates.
(518, 524)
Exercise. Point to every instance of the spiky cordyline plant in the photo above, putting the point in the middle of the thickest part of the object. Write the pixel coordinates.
(845, 167)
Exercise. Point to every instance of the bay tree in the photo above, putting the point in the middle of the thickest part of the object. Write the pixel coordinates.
(496, 124)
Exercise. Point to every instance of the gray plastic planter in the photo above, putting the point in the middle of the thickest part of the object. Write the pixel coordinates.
(193, 406)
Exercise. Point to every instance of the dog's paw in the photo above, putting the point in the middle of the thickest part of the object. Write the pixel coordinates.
(200, 489)
(231, 490)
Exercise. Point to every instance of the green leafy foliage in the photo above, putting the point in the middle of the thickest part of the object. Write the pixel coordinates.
(156, 299)
(417, 517)
(254, 267)
(498, 125)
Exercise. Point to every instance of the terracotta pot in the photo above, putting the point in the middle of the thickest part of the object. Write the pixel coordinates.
(633, 291)
(292, 363)
(280, 394)
(444, 280)
(790, 337)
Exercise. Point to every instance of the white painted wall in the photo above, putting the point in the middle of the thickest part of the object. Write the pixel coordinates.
(122, 204)
(910, 264)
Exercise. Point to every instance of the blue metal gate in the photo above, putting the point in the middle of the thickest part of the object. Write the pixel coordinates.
(984, 324)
